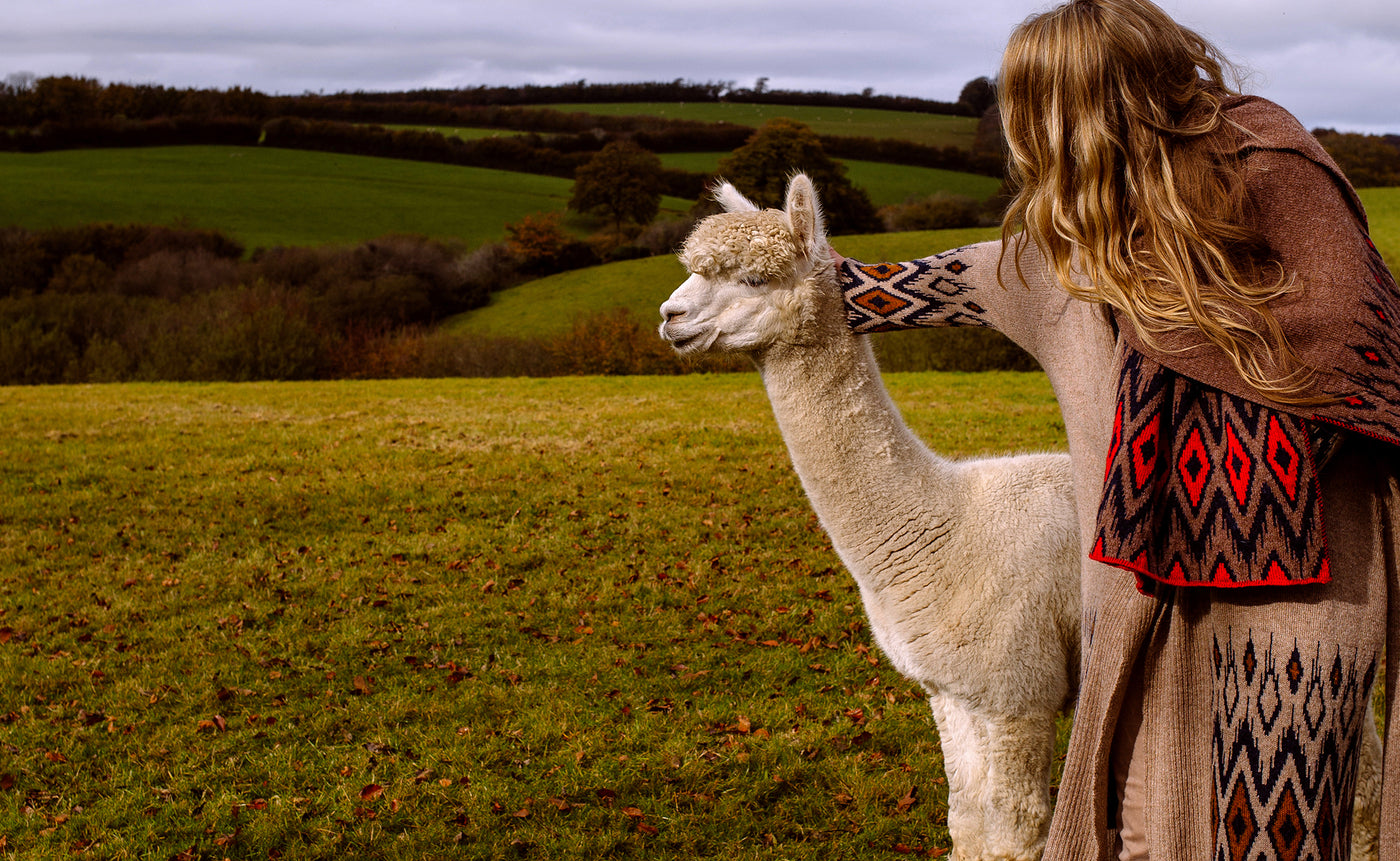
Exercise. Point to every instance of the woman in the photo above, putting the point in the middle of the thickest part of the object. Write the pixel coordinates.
(1194, 275)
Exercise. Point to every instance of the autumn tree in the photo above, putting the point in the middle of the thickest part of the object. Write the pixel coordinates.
(978, 95)
(781, 147)
(622, 182)
(1369, 161)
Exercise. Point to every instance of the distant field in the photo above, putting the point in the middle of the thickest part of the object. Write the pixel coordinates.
(552, 304)
(930, 129)
(467, 134)
(1383, 209)
(885, 183)
(268, 197)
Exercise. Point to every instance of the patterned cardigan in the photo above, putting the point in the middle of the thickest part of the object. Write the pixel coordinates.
(1207, 484)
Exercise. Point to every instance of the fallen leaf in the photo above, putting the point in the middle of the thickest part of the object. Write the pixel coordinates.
(371, 792)
(633, 812)
(908, 801)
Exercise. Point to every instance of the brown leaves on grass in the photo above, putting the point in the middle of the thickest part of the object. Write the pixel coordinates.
(906, 802)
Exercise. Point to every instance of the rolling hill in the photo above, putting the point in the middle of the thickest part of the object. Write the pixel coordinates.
(268, 197)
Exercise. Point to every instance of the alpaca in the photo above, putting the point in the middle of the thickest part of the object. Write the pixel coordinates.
(986, 550)
(969, 571)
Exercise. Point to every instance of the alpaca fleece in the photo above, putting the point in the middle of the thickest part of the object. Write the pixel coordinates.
(968, 570)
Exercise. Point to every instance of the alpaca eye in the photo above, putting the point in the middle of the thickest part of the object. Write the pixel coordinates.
(755, 280)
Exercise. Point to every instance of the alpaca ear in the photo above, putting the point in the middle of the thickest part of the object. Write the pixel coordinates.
(804, 211)
(729, 197)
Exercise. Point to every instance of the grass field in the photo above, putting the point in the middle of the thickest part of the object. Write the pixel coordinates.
(570, 618)
(885, 183)
(551, 305)
(1383, 211)
(929, 129)
(268, 197)
(469, 134)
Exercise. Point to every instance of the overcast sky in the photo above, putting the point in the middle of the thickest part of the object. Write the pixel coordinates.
(1334, 63)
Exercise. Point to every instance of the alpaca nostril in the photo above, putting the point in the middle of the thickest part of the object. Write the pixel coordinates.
(672, 316)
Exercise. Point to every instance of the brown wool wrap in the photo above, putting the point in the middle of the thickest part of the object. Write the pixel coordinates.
(1206, 482)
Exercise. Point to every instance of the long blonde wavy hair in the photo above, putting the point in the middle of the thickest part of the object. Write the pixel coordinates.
(1130, 185)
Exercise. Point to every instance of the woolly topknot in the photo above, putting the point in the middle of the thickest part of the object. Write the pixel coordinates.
(747, 244)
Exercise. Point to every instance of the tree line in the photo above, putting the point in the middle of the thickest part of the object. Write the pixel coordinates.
(64, 112)
(104, 302)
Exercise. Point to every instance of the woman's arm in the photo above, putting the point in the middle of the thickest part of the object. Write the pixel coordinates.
(941, 290)
(961, 288)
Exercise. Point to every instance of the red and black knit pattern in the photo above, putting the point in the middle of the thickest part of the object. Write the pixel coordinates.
(1203, 488)
(1287, 729)
(1375, 378)
(883, 297)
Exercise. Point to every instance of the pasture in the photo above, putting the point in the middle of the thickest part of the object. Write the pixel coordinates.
(927, 129)
(268, 197)
(885, 183)
(570, 618)
(550, 305)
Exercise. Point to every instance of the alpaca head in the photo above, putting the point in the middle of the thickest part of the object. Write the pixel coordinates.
(750, 283)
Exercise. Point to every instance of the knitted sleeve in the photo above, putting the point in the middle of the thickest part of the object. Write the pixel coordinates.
(943, 290)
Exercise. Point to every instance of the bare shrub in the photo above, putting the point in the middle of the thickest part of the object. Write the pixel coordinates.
(938, 211)
(81, 273)
(665, 236)
(172, 274)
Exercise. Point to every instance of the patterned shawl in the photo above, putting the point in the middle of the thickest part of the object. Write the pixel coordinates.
(1207, 485)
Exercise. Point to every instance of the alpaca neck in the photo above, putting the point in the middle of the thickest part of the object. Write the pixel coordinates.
(855, 456)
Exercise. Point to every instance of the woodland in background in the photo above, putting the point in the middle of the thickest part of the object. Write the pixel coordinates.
(104, 303)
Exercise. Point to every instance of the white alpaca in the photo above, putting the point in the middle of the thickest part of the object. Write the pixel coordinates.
(969, 571)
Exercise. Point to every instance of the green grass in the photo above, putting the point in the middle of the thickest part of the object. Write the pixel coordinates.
(929, 129)
(551, 305)
(267, 197)
(469, 134)
(570, 618)
(885, 183)
(1383, 211)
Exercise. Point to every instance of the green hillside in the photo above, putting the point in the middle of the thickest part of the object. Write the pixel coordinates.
(928, 129)
(885, 183)
(552, 304)
(268, 197)
(1383, 210)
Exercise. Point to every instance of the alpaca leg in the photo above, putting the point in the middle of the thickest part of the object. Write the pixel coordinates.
(1366, 813)
(998, 781)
